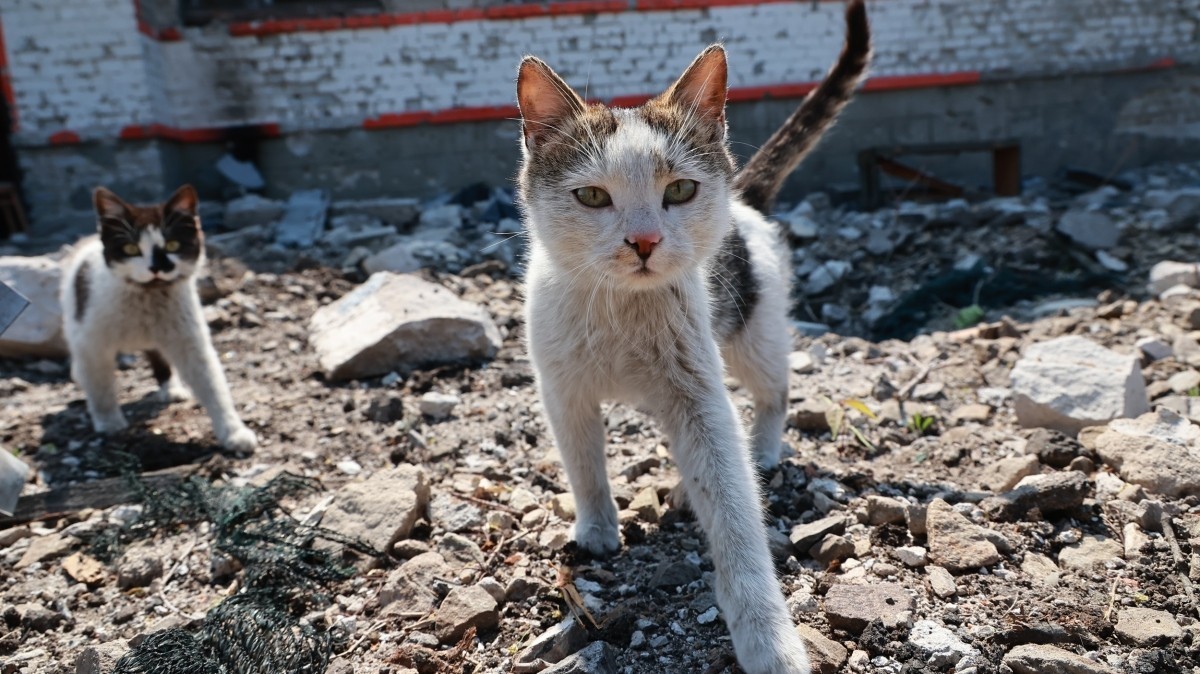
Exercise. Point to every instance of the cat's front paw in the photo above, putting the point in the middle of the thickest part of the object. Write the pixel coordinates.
(112, 422)
(239, 439)
(172, 392)
(786, 658)
(599, 539)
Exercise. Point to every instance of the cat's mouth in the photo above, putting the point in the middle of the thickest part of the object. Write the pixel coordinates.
(156, 283)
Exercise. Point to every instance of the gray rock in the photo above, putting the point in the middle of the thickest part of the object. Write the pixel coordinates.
(884, 510)
(674, 574)
(303, 220)
(454, 514)
(1147, 627)
(410, 587)
(940, 646)
(941, 581)
(1051, 447)
(250, 210)
(396, 322)
(1159, 451)
(646, 504)
(463, 608)
(1006, 473)
(1044, 659)
(826, 276)
(913, 556)
(852, 607)
(381, 509)
(414, 254)
(1155, 348)
(1041, 568)
(138, 567)
(1070, 383)
(804, 536)
(38, 618)
(555, 644)
(825, 655)
(438, 406)
(460, 550)
(101, 659)
(37, 332)
(955, 542)
(1052, 492)
(43, 548)
(1094, 230)
(1182, 382)
(395, 211)
(524, 587)
(386, 409)
(1167, 274)
(832, 548)
(1089, 554)
(597, 658)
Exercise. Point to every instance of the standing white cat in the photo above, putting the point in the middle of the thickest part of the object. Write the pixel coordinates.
(650, 269)
(133, 288)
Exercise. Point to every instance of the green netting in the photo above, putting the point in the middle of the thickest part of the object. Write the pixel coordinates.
(260, 630)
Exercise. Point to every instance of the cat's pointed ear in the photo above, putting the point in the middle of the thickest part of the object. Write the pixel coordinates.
(703, 86)
(185, 200)
(110, 208)
(545, 100)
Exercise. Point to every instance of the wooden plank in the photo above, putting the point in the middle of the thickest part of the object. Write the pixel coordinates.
(102, 493)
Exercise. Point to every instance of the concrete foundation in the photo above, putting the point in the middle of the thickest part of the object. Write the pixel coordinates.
(1102, 123)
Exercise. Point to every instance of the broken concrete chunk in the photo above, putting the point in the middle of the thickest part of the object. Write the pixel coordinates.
(463, 608)
(556, 643)
(1089, 554)
(852, 607)
(394, 322)
(37, 331)
(955, 542)
(1071, 382)
(1044, 659)
(303, 220)
(1147, 627)
(825, 655)
(1167, 274)
(804, 536)
(382, 509)
(1159, 451)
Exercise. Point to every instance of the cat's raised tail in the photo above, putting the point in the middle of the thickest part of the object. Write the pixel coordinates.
(762, 176)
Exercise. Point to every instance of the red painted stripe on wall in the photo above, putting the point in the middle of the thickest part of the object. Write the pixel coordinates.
(207, 135)
(6, 88)
(498, 13)
(395, 120)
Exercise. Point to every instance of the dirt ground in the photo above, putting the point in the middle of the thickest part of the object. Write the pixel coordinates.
(652, 602)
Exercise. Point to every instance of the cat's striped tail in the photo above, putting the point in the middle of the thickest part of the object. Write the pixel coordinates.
(762, 176)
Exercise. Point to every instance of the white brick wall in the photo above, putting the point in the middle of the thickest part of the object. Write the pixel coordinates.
(87, 69)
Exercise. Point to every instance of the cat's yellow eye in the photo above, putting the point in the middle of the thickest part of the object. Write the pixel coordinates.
(593, 197)
(131, 249)
(172, 246)
(680, 192)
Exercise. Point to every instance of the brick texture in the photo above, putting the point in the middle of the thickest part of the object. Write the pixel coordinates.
(85, 68)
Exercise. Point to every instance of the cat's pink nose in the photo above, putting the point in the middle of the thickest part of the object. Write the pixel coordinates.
(643, 243)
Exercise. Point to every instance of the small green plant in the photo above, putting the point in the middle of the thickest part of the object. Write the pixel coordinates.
(921, 424)
(968, 317)
(1194, 392)
(836, 416)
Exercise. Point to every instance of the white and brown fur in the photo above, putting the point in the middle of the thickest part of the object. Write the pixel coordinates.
(612, 319)
(118, 302)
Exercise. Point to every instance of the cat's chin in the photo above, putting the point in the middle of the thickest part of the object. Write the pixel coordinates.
(645, 279)
(155, 282)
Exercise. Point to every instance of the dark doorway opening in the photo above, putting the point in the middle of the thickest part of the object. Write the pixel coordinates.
(12, 211)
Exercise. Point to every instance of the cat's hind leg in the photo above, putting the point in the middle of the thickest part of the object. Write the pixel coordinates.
(95, 370)
(170, 389)
(757, 356)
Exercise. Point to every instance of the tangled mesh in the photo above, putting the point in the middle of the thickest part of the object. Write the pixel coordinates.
(262, 629)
